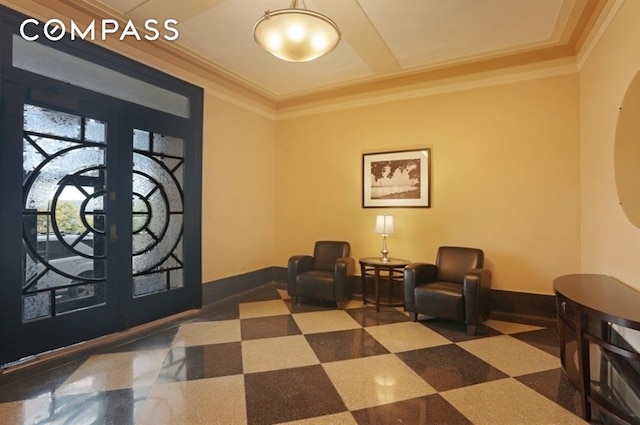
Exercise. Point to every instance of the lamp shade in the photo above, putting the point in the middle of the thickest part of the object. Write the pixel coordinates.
(384, 224)
(296, 35)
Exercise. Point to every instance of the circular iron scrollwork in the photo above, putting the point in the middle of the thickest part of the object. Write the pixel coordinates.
(157, 204)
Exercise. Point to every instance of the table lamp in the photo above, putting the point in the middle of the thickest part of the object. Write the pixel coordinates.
(384, 226)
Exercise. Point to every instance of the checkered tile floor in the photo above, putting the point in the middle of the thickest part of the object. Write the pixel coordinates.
(258, 359)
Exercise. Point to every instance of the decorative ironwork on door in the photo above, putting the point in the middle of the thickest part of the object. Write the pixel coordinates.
(64, 174)
(64, 217)
(157, 211)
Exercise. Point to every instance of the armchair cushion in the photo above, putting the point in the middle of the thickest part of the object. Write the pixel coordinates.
(316, 284)
(446, 299)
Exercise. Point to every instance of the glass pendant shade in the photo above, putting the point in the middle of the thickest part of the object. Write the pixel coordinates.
(296, 35)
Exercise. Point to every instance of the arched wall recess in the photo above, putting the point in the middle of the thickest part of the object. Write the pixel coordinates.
(627, 153)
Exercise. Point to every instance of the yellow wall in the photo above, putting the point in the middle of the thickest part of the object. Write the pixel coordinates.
(610, 243)
(237, 190)
(505, 178)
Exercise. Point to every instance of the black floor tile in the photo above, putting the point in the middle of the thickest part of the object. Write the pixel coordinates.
(344, 345)
(290, 394)
(203, 361)
(545, 339)
(268, 327)
(427, 410)
(555, 385)
(448, 367)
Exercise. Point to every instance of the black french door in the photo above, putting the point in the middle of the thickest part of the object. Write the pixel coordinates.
(100, 192)
(93, 217)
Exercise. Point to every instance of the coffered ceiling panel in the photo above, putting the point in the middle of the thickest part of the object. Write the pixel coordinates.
(429, 32)
(382, 40)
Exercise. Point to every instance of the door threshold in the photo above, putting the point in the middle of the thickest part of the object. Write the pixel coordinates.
(69, 353)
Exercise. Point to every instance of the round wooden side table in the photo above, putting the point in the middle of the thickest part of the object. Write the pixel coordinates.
(392, 270)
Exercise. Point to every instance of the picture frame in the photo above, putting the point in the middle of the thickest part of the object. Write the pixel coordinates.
(397, 179)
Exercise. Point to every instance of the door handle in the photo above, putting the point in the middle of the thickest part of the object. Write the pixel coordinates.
(113, 233)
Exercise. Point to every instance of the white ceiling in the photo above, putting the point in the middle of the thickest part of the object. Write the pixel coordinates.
(381, 39)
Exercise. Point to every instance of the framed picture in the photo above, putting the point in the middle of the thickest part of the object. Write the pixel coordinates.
(396, 179)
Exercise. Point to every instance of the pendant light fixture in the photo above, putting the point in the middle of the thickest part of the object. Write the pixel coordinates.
(296, 34)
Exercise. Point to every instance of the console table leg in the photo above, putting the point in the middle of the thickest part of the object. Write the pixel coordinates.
(583, 363)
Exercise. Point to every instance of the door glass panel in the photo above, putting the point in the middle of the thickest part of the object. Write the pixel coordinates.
(64, 259)
(157, 207)
(55, 123)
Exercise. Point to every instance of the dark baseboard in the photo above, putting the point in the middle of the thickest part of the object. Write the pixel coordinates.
(227, 287)
(524, 303)
(279, 274)
(534, 309)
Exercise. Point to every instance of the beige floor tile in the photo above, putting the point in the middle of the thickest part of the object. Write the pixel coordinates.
(32, 411)
(507, 402)
(263, 309)
(405, 336)
(284, 294)
(204, 333)
(353, 303)
(510, 327)
(202, 401)
(344, 418)
(259, 355)
(376, 380)
(510, 355)
(114, 371)
(325, 321)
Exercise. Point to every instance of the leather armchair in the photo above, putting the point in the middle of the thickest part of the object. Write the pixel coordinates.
(455, 288)
(327, 275)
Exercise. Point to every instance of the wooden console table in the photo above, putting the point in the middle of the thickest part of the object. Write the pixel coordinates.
(591, 307)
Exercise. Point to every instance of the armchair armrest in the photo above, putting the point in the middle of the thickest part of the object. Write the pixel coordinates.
(344, 275)
(297, 264)
(477, 295)
(415, 274)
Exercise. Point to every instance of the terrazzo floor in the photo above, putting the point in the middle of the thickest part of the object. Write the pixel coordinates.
(258, 359)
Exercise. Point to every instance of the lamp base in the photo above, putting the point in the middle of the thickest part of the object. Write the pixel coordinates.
(385, 251)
